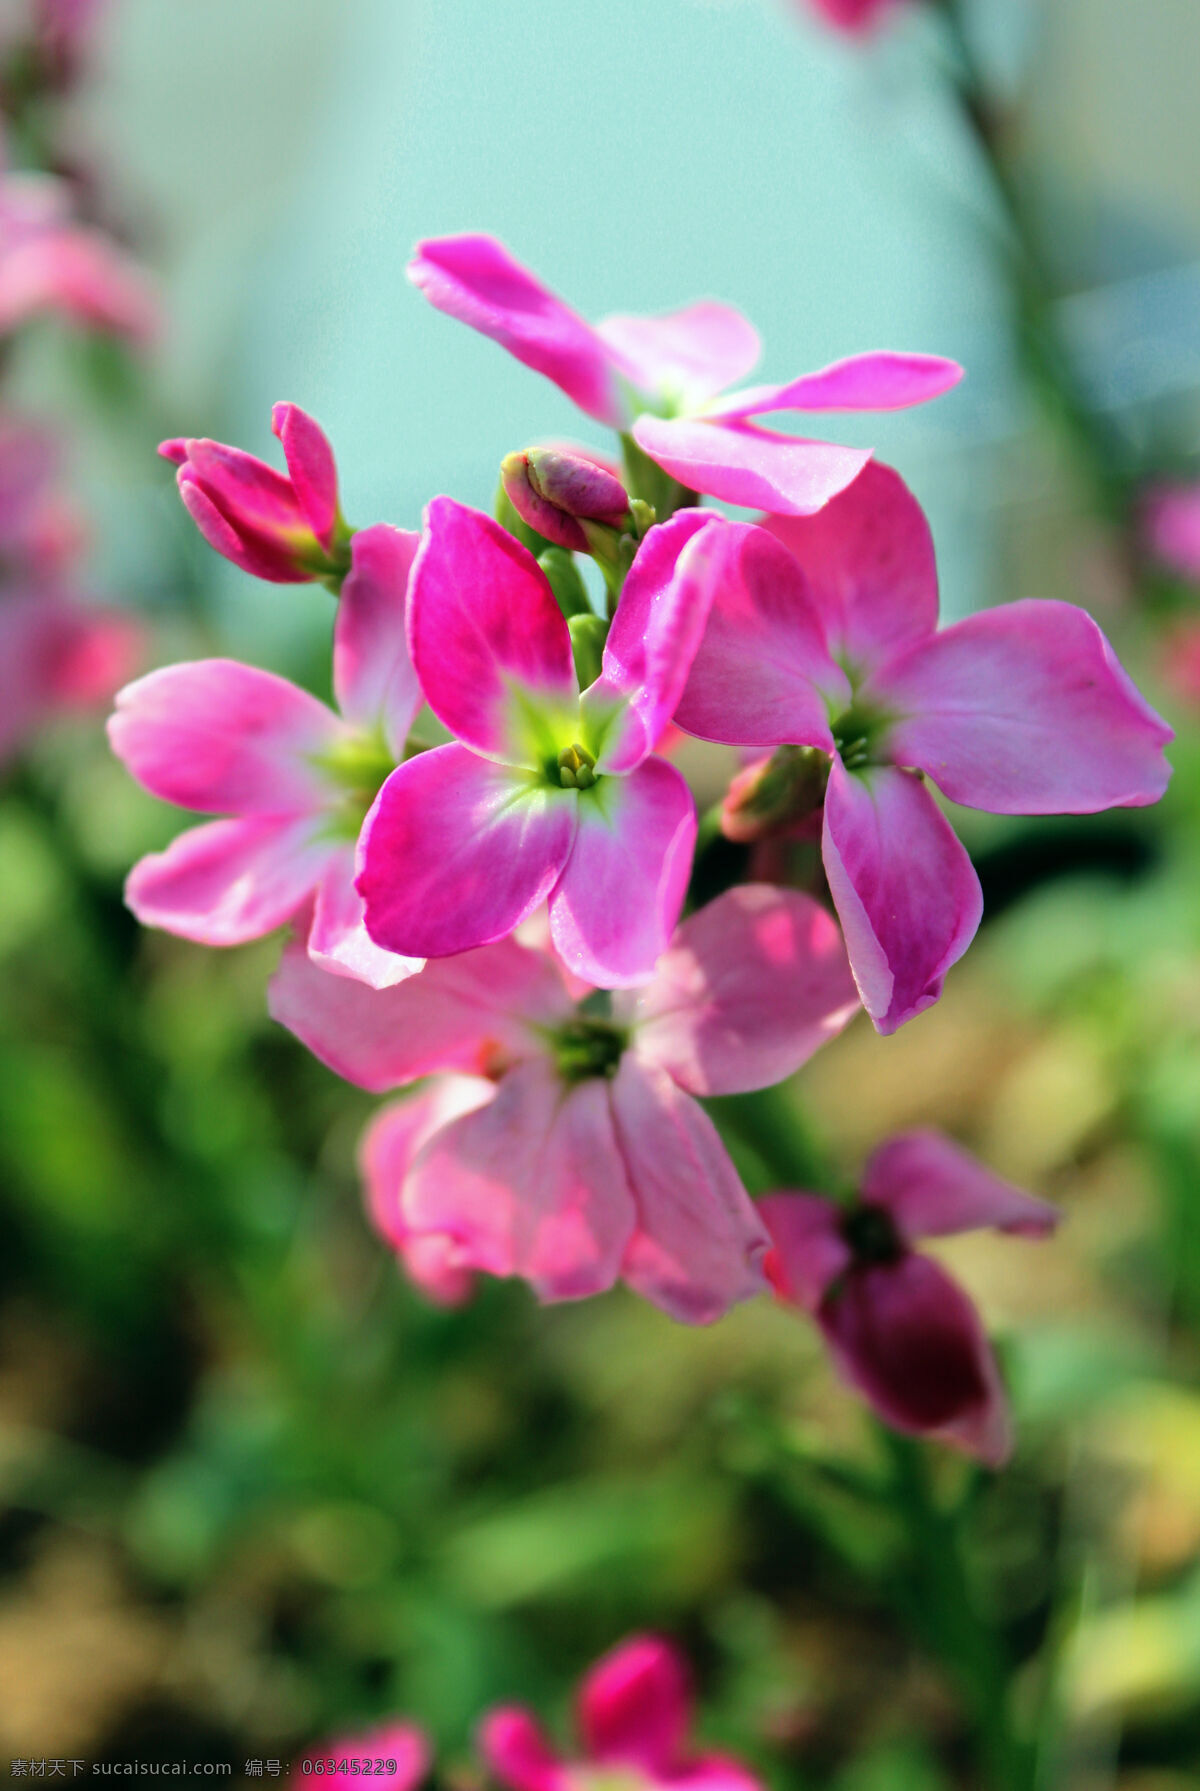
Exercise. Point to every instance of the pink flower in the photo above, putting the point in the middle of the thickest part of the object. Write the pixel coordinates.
(285, 529)
(49, 264)
(433, 1261)
(660, 378)
(590, 1161)
(855, 17)
(823, 633)
(57, 655)
(634, 1715)
(899, 1329)
(545, 794)
(402, 1746)
(1171, 527)
(227, 739)
(1179, 661)
(40, 534)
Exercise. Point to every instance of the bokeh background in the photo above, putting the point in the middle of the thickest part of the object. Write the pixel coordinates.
(252, 1489)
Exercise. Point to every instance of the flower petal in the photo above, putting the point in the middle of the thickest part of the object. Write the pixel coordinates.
(686, 356)
(229, 881)
(910, 1340)
(869, 561)
(224, 738)
(476, 1013)
(339, 942)
(532, 1184)
(374, 679)
(457, 851)
(477, 281)
(516, 1752)
(489, 642)
(748, 989)
(1025, 710)
(635, 1707)
(699, 1243)
(310, 467)
(743, 464)
(654, 636)
(762, 675)
(399, 1741)
(933, 1188)
(808, 1252)
(878, 381)
(905, 890)
(618, 899)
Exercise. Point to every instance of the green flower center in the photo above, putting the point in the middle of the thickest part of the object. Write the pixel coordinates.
(588, 1046)
(576, 767)
(357, 766)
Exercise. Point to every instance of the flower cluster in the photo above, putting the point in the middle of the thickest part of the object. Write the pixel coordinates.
(487, 852)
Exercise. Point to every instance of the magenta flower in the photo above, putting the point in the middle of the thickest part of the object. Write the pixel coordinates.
(285, 529)
(634, 1717)
(661, 378)
(1171, 528)
(855, 17)
(50, 264)
(545, 794)
(58, 655)
(591, 1161)
(433, 1261)
(834, 645)
(899, 1329)
(297, 780)
(402, 1747)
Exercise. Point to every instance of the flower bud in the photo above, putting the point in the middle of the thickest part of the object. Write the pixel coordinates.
(774, 794)
(558, 494)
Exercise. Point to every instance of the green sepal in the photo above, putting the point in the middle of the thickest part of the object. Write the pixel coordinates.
(588, 635)
(566, 581)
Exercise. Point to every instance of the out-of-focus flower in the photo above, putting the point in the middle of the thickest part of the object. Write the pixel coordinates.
(50, 264)
(544, 794)
(590, 1161)
(289, 529)
(556, 492)
(823, 633)
(1171, 527)
(57, 655)
(40, 533)
(1179, 661)
(402, 1746)
(661, 378)
(634, 1717)
(434, 1261)
(855, 17)
(899, 1329)
(227, 739)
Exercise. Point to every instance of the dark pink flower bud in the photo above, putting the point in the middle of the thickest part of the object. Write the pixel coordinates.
(557, 493)
(288, 529)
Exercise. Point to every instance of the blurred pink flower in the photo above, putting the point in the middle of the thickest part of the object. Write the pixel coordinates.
(823, 633)
(899, 1329)
(50, 264)
(389, 1146)
(545, 794)
(1179, 661)
(403, 1744)
(661, 378)
(588, 1160)
(40, 534)
(1171, 527)
(634, 1716)
(225, 738)
(57, 655)
(855, 17)
(287, 529)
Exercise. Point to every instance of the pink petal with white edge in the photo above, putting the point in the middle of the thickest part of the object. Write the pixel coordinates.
(476, 1013)
(615, 906)
(374, 679)
(684, 356)
(742, 464)
(904, 888)
(748, 989)
(338, 940)
(229, 881)
(457, 851)
(477, 281)
(932, 1188)
(763, 675)
(488, 641)
(908, 1338)
(808, 1252)
(225, 738)
(879, 381)
(532, 1184)
(635, 1706)
(654, 636)
(1025, 710)
(517, 1753)
(869, 560)
(310, 467)
(699, 1244)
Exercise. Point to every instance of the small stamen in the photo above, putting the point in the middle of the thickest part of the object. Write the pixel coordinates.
(576, 767)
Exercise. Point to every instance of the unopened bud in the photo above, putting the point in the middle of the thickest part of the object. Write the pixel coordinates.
(557, 493)
(774, 793)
